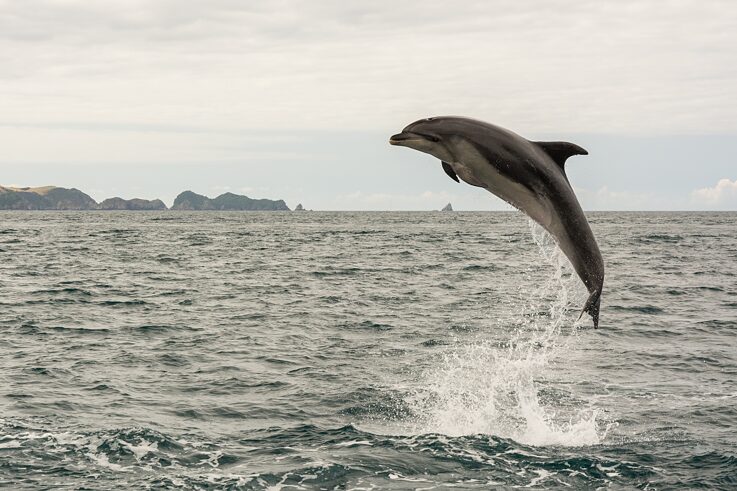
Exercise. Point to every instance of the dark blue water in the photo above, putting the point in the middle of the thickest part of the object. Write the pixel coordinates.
(363, 350)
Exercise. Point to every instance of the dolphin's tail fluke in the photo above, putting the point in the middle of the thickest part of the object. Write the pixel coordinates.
(592, 307)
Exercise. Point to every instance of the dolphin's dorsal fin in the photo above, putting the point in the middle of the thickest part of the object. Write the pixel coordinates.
(560, 151)
(449, 170)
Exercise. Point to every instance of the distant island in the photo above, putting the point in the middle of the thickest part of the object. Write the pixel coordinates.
(227, 201)
(56, 198)
(131, 204)
(447, 207)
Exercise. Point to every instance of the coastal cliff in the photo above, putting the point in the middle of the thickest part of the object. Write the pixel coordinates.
(45, 198)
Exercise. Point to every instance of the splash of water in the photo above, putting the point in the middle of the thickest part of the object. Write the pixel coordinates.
(502, 388)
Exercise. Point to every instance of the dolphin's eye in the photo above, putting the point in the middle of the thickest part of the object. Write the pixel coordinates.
(433, 138)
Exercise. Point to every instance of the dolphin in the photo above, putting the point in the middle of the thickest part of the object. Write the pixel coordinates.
(529, 175)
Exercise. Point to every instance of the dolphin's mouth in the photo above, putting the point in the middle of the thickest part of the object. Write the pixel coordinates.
(405, 137)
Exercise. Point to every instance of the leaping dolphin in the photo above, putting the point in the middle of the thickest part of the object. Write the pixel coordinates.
(528, 175)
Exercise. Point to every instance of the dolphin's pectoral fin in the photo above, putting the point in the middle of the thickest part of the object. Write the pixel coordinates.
(560, 151)
(449, 170)
(592, 307)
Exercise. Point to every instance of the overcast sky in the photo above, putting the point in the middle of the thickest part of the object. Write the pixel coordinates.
(296, 99)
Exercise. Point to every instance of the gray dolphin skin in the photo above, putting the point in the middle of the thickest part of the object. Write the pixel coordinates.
(528, 175)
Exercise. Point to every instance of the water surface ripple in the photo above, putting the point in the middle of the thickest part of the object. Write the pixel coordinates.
(212, 350)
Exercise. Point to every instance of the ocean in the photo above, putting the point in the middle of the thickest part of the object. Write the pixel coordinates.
(385, 350)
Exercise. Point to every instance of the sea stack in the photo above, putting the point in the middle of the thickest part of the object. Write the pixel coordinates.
(299, 207)
(447, 208)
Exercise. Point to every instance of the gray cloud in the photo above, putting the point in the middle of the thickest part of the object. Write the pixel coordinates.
(126, 82)
(627, 66)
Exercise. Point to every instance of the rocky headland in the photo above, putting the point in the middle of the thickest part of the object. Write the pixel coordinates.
(45, 198)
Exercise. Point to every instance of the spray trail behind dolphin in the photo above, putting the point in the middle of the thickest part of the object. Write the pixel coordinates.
(493, 388)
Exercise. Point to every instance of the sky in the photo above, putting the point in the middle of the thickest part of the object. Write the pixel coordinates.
(296, 100)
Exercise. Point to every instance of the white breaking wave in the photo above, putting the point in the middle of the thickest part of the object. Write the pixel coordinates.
(491, 387)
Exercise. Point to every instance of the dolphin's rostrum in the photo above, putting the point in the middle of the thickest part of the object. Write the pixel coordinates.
(528, 175)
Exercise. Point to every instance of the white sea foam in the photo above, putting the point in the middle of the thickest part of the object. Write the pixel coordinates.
(102, 460)
(142, 449)
(492, 387)
(354, 443)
